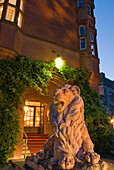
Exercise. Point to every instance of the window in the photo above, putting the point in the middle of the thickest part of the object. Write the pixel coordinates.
(34, 114)
(92, 49)
(82, 43)
(1, 1)
(19, 23)
(89, 9)
(21, 5)
(1, 9)
(80, 3)
(13, 2)
(11, 9)
(10, 13)
(19, 19)
(91, 37)
(82, 30)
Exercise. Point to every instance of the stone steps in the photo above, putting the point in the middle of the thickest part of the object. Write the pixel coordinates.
(35, 143)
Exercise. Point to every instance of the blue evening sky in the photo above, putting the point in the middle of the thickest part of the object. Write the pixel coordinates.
(104, 13)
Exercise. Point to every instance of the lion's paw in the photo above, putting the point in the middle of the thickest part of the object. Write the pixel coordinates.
(91, 157)
(66, 163)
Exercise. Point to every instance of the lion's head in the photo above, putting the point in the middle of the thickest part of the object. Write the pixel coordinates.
(64, 96)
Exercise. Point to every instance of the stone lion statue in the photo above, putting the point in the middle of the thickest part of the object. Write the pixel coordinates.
(71, 139)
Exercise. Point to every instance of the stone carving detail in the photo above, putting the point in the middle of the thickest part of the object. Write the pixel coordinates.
(71, 142)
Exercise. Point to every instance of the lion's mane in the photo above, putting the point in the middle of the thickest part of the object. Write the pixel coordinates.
(69, 126)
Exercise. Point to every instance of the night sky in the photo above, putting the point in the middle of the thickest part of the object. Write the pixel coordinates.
(104, 13)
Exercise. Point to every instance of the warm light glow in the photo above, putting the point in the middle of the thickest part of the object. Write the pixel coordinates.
(13, 2)
(25, 118)
(19, 20)
(1, 1)
(58, 62)
(38, 118)
(112, 120)
(10, 13)
(1, 9)
(21, 5)
(26, 109)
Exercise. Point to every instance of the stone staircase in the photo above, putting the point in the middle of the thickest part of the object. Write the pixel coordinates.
(35, 143)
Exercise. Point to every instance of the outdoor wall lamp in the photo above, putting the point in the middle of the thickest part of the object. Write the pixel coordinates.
(58, 62)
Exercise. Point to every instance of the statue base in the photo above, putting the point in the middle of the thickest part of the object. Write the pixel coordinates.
(49, 164)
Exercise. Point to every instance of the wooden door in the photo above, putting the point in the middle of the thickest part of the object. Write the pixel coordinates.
(34, 117)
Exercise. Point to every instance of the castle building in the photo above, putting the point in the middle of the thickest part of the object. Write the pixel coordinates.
(43, 30)
(106, 92)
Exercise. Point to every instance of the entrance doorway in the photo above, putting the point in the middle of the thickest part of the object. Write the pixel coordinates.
(34, 117)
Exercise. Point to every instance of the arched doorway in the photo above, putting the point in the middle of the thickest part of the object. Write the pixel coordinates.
(34, 117)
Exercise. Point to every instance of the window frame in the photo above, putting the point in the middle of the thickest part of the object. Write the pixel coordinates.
(8, 9)
(80, 30)
(1, 10)
(12, 3)
(81, 43)
(12, 11)
(80, 3)
(2, 2)
(93, 49)
(89, 9)
(91, 39)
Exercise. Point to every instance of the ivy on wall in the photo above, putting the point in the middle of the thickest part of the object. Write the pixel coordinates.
(96, 117)
(15, 75)
(21, 72)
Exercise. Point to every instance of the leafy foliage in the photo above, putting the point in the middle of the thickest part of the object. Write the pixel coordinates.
(15, 75)
(96, 117)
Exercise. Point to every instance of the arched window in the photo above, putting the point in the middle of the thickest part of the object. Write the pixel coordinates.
(13, 11)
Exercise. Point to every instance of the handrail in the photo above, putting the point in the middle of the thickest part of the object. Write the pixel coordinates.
(25, 143)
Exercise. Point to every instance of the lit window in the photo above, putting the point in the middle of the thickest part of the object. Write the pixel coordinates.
(19, 19)
(89, 9)
(80, 3)
(82, 43)
(1, 1)
(34, 114)
(1, 9)
(91, 37)
(10, 13)
(13, 2)
(21, 5)
(92, 49)
(82, 30)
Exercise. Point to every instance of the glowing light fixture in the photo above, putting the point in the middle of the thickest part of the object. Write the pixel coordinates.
(112, 121)
(58, 62)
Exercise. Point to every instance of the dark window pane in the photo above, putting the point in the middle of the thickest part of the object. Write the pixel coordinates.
(91, 37)
(89, 10)
(82, 30)
(80, 3)
(82, 43)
